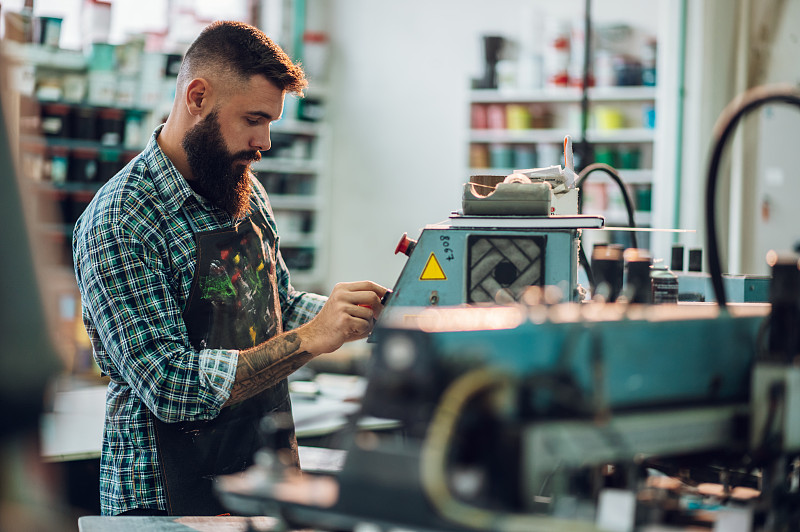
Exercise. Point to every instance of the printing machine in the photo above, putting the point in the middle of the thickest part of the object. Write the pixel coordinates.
(524, 411)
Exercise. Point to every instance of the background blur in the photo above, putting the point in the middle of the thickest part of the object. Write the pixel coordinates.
(400, 111)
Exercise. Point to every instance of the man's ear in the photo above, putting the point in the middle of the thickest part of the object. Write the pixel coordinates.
(197, 96)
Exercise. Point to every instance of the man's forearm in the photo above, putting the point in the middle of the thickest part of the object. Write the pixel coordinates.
(266, 365)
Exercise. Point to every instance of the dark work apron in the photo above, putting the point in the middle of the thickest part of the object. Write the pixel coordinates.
(233, 304)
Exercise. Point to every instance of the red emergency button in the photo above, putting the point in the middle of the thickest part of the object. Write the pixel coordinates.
(406, 245)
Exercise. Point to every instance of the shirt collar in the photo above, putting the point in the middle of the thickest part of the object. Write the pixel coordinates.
(169, 182)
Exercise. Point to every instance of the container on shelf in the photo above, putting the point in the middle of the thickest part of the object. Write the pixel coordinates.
(49, 89)
(80, 200)
(518, 116)
(315, 55)
(548, 154)
(479, 156)
(479, 116)
(32, 159)
(541, 116)
(83, 165)
(95, 21)
(649, 64)
(649, 116)
(643, 195)
(501, 155)
(47, 31)
(525, 156)
(108, 163)
(496, 116)
(102, 88)
(102, 57)
(84, 123)
(606, 155)
(607, 117)
(74, 87)
(133, 136)
(629, 157)
(298, 259)
(111, 125)
(55, 119)
(57, 164)
(127, 91)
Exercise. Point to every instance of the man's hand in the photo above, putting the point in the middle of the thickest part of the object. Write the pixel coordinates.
(349, 314)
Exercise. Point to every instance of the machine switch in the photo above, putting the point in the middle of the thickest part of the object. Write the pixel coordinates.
(406, 245)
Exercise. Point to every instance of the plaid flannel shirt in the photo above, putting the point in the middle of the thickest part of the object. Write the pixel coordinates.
(134, 254)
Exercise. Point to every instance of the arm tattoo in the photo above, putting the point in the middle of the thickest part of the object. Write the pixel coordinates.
(266, 365)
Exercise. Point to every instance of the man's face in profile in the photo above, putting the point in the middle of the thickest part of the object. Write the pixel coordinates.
(220, 176)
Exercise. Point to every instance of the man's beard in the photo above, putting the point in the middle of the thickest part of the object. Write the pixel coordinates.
(218, 174)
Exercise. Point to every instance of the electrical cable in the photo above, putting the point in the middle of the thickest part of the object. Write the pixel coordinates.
(582, 176)
(433, 465)
(729, 119)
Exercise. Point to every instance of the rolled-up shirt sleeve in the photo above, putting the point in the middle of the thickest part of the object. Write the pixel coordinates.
(141, 336)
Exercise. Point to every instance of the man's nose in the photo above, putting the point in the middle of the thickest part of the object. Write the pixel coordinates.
(262, 141)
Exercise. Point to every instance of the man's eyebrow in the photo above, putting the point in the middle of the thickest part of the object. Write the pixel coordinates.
(262, 114)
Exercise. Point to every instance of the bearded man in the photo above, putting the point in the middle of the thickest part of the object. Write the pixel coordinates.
(187, 301)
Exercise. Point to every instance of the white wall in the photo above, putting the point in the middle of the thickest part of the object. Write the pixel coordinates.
(711, 40)
(399, 114)
(777, 175)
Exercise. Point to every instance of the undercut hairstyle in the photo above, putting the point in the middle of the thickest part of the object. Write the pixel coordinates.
(235, 50)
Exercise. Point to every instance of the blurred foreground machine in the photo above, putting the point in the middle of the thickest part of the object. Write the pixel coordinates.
(536, 416)
(569, 417)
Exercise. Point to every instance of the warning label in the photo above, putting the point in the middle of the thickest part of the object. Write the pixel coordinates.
(432, 270)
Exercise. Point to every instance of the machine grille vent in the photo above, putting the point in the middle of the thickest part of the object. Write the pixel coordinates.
(504, 263)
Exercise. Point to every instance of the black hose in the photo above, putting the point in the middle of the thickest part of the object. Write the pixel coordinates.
(618, 180)
(746, 102)
(587, 267)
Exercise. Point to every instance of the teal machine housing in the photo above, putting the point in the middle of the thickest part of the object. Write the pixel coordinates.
(470, 259)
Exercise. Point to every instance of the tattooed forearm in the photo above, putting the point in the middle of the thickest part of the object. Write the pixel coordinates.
(266, 365)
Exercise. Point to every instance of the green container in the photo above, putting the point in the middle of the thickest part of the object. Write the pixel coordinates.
(102, 57)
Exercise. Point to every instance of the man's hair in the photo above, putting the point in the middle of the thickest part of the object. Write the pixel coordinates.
(240, 51)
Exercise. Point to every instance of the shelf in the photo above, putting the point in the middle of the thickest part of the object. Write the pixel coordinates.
(290, 240)
(54, 229)
(617, 218)
(286, 166)
(640, 176)
(43, 57)
(556, 135)
(643, 176)
(49, 186)
(621, 135)
(293, 202)
(72, 143)
(564, 95)
(295, 127)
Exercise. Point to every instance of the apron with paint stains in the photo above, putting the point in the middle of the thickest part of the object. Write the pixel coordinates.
(233, 304)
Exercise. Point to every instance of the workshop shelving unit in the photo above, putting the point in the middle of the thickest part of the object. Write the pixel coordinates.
(293, 173)
(51, 154)
(561, 110)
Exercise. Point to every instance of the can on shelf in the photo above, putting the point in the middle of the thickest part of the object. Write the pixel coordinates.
(664, 285)
(111, 122)
(84, 123)
(58, 159)
(83, 165)
(56, 120)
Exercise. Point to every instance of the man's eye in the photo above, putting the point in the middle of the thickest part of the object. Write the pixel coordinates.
(252, 122)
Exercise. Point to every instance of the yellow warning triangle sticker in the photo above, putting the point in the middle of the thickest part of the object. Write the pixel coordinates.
(432, 271)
